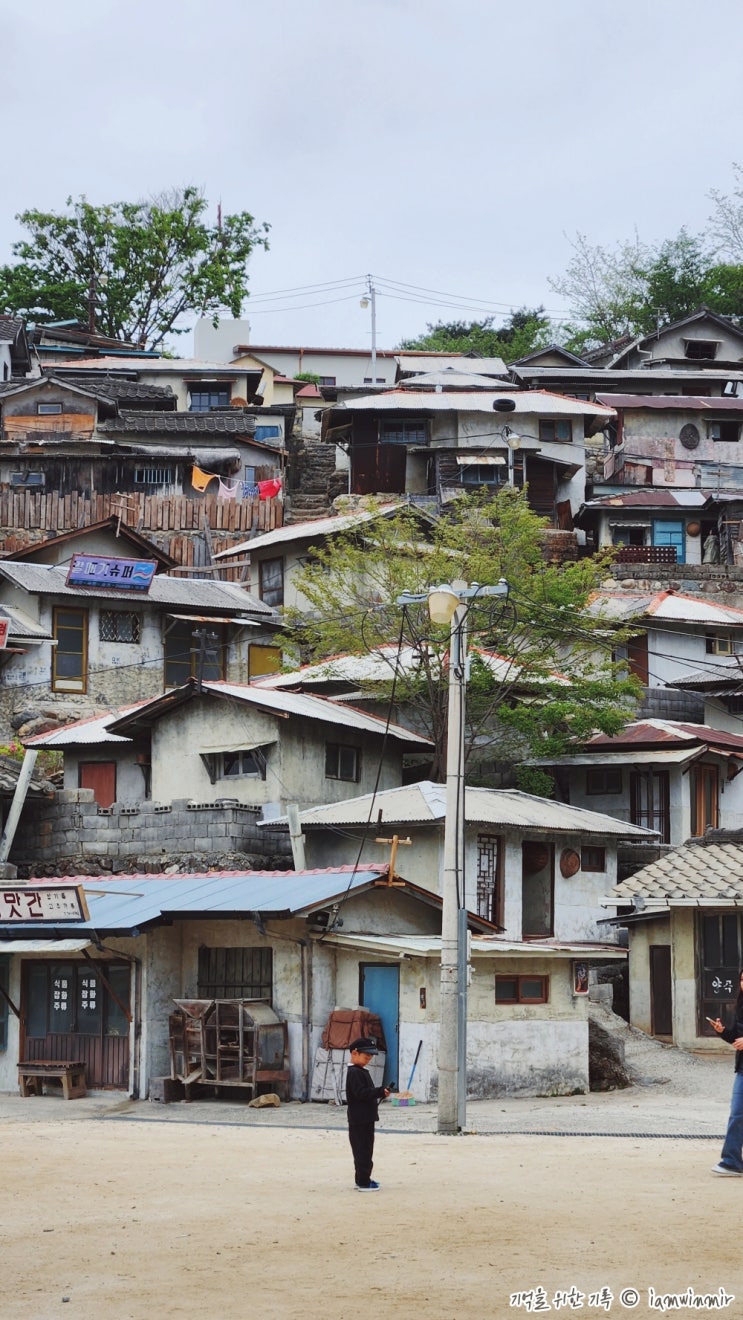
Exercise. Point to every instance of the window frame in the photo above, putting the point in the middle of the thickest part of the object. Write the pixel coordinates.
(258, 651)
(339, 749)
(701, 344)
(593, 864)
(702, 775)
(218, 968)
(257, 757)
(49, 410)
(490, 896)
(545, 423)
(608, 772)
(725, 426)
(404, 431)
(158, 476)
(115, 615)
(273, 596)
(79, 970)
(223, 395)
(521, 998)
(658, 781)
(61, 682)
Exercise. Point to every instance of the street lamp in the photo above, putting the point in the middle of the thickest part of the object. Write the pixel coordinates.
(450, 604)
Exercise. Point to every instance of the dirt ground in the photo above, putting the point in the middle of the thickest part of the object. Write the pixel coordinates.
(132, 1220)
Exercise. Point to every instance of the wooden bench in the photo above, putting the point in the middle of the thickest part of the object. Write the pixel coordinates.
(71, 1075)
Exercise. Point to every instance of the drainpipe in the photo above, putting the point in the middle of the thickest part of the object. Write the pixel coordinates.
(16, 806)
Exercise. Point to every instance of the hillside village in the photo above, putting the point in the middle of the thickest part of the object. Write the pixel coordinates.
(249, 822)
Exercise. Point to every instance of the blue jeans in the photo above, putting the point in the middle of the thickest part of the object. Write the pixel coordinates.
(732, 1150)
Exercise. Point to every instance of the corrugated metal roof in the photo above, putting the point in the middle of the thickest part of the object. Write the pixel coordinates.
(127, 903)
(481, 946)
(422, 362)
(656, 756)
(43, 946)
(667, 606)
(527, 402)
(225, 597)
(380, 664)
(449, 378)
(652, 499)
(425, 803)
(672, 402)
(313, 527)
(697, 874)
(22, 626)
(84, 732)
(665, 733)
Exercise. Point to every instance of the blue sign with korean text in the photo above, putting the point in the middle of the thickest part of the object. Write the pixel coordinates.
(104, 571)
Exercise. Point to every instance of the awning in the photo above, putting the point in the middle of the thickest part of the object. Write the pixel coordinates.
(236, 745)
(215, 618)
(43, 946)
(464, 460)
(672, 755)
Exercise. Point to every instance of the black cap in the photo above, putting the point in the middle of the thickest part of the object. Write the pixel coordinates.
(364, 1045)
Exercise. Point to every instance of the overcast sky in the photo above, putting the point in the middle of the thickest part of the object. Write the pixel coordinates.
(450, 147)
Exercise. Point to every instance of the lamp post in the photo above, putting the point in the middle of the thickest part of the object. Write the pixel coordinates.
(514, 442)
(450, 604)
(371, 297)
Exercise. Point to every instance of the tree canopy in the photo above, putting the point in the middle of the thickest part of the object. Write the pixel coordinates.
(140, 266)
(557, 683)
(522, 332)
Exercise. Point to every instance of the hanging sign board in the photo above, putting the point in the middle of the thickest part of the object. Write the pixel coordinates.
(43, 903)
(4, 627)
(104, 571)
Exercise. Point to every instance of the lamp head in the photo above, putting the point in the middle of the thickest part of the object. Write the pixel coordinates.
(442, 602)
(512, 438)
(364, 302)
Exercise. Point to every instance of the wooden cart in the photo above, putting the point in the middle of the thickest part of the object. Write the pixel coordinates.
(228, 1042)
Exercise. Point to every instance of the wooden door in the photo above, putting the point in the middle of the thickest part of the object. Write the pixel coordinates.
(661, 1000)
(101, 777)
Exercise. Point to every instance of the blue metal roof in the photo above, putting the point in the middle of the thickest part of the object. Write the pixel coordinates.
(126, 904)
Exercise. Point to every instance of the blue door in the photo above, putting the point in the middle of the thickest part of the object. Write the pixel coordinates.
(380, 993)
(670, 533)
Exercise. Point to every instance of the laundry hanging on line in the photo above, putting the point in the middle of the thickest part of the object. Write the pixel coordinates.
(199, 479)
(226, 492)
(267, 490)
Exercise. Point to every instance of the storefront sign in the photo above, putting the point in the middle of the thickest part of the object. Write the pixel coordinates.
(104, 571)
(4, 626)
(43, 903)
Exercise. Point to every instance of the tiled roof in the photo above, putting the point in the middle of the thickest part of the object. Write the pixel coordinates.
(697, 874)
(9, 328)
(235, 422)
(114, 388)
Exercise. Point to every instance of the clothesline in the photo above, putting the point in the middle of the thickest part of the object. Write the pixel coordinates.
(265, 490)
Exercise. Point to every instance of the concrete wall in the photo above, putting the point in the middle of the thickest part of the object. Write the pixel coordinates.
(73, 828)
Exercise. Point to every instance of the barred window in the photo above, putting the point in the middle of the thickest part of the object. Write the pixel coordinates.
(235, 973)
(153, 476)
(120, 626)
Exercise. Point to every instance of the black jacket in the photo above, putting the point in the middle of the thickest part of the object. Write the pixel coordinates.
(362, 1096)
(732, 1033)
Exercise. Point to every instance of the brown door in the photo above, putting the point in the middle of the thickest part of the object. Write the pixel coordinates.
(101, 777)
(661, 1020)
(637, 657)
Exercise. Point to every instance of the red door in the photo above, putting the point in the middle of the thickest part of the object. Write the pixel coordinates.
(101, 777)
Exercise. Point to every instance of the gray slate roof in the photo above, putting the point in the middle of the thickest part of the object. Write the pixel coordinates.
(179, 593)
(696, 875)
(9, 328)
(234, 422)
(114, 388)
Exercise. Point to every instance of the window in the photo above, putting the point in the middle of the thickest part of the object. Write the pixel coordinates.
(48, 409)
(327, 380)
(482, 474)
(235, 974)
(369, 380)
(237, 764)
(186, 653)
(559, 429)
(593, 859)
(271, 582)
(720, 945)
(403, 431)
(119, 626)
(153, 476)
(263, 660)
(71, 999)
(342, 762)
(522, 989)
(718, 645)
(725, 430)
(701, 350)
(601, 780)
(489, 878)
(673, 534)
(33, 479)
(630, 535)
(204, 397)
(70, 655)
(649, 801)
(266, 432)
(4, 985)
(705, 790)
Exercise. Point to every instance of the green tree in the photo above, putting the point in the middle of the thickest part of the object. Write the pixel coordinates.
(557, 650)
(143, 264)
(524, 331)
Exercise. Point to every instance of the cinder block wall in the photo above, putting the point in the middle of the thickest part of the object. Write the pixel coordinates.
(73, 835)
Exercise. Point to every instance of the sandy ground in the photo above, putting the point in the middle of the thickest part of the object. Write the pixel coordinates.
(104, 1217)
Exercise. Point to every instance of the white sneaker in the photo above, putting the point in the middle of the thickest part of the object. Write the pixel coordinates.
(725, 1172)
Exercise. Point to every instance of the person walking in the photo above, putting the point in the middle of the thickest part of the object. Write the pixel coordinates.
(362, 1098)
(731, 1159)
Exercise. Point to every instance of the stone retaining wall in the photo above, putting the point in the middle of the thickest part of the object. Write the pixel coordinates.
(73, 835)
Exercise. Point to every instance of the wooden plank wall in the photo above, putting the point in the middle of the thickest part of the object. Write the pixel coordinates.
(174, 523)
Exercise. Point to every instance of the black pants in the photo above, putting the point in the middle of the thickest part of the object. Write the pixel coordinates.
(361, 1137)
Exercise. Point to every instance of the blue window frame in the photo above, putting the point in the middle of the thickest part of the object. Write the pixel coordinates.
(666, 532)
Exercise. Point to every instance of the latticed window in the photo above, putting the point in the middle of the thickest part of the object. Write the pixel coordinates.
(235, 973)
(153, 476)
(120, 626)
(488, 875)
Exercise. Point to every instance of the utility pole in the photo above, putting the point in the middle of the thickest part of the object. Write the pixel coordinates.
(370, 297)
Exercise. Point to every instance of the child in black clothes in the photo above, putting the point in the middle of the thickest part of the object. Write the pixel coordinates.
(363, 1097)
